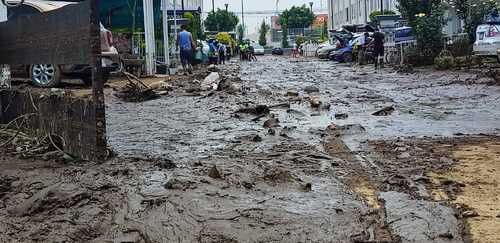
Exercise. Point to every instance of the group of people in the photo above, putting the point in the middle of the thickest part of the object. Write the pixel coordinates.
(218, 52)
(376, 42)
(247, 52)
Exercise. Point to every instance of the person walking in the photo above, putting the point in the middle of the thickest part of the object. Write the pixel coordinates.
(378, 43)
(187, 47)
(222, 53)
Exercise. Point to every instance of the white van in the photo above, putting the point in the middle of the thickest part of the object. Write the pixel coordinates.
(487, 40)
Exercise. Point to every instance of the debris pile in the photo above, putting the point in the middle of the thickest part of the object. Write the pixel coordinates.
(14, 140)
(136, 90)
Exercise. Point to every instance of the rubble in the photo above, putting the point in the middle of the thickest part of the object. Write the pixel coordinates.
(214, 173)
(311, 89)
(386, 111)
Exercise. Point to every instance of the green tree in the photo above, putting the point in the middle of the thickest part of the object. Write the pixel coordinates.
(324, 32)
(374, 14)
(240, 29)
(221, 20)
(284, 39)
(473, 13)
(297, 17)
(132, 7)
(426, 17)
(193, 25)
(264, 28)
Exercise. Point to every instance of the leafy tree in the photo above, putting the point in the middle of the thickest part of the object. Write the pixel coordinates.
(221, 20)
(426, 19)
(474, 13)
(374, 14)
(264, 28)
(193, 25)
(132, 7)
(223, 37)
(297, 17)
(324, 32)
(284, 39)
(240, 29)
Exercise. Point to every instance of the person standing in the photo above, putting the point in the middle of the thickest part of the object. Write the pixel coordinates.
(378, 46)
(228, 52)
(187, 46)
(222, 53)
(362, 48)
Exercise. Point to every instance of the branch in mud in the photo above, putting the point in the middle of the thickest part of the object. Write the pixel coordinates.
(136, 90)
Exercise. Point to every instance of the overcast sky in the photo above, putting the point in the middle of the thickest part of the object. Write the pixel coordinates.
(253, 20)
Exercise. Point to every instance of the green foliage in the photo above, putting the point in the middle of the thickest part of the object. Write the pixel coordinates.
(461, 47)
(297, 17)
(284, 40)
(193, 25)
(240, 29)
(426, 19)
(223, 37)
(300, 40)
(324, 33)
(374, 14)
(221, 20)
(473, 13)
(264, 28)
(416, 57)
(444, 60)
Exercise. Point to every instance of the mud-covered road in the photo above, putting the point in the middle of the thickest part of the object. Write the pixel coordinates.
(343, 154)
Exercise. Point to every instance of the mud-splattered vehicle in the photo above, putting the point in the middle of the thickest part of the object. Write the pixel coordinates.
(50, 75)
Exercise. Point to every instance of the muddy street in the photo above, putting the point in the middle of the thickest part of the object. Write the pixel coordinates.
(288, 150)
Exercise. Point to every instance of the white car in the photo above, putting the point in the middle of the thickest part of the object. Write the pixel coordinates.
(259, 50)
(487, 40)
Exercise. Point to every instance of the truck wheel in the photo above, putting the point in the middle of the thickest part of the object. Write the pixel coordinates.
(45, 75)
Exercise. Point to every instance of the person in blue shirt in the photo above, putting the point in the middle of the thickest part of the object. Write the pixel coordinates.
(187, 47)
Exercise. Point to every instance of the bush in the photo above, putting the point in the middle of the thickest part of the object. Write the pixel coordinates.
(461, 47)
(417, 57)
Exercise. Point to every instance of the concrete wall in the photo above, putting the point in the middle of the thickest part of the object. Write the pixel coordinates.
(74, 119)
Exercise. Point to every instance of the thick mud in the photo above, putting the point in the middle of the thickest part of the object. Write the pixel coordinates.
(317, 166)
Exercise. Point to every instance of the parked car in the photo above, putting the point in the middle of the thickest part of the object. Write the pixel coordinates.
(487, 40)
(325, 51)
(277, 51)
(259, 50)
(50, 75)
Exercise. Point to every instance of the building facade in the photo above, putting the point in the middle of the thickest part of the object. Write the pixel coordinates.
(348, 12)
(351, 12)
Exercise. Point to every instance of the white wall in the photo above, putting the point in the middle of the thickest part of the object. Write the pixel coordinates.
(343, 12)
(3, 13)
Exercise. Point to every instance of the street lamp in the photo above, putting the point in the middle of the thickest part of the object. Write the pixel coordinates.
(311, 4)
(227, 5)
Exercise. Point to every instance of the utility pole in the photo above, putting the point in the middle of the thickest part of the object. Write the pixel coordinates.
(149, 33)
(182, 4)
(382, 7)
(242, 17)
(213, 6)
(166, 41)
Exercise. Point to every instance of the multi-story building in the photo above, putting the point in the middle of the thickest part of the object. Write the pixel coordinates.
(347, 12)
